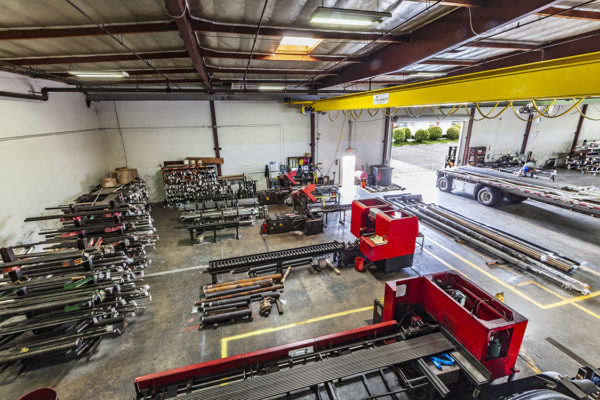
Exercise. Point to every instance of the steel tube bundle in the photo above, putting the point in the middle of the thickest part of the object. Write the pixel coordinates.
(487, 240)
(86, 281)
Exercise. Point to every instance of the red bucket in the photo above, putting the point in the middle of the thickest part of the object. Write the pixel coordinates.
(41, 394)
(359, 263)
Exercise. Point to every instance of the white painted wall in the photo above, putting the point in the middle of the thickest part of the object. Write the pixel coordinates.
(49, 153)
(366, 140)
(548, 137)
(250, 134)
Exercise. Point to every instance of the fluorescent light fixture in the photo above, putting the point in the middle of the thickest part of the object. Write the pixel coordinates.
(343, 16)
(425, 73)
(100, 74)
(271, 87)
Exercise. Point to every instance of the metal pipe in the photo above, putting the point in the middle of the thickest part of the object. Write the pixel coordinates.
(264, 282)
(247, 298)
(27, 96)
(275, 277)
(237, 290)
(238, 304)
(209, 319)
(249, 292)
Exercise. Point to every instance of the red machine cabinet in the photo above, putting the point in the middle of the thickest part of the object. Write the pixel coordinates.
(386, 234)
(490, 330)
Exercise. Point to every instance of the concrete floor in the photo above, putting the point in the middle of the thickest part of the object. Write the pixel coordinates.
(166, 335)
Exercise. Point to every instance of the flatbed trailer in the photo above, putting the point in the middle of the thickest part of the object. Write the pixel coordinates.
(490, 187)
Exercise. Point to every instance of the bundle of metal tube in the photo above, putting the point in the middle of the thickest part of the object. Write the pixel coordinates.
(228, 301)
(62, 304)
(120, 216)
(61, 296)
(520, 253)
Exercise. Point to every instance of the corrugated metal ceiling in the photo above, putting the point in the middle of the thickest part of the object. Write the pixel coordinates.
(406, 17)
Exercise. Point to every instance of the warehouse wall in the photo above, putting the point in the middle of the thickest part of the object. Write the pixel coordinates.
(49, 153)
(250, 134)
(548, 137)
(365, 137)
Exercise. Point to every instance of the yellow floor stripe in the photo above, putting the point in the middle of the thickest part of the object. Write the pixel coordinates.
(573, 301)
(444, 262)
(486, 273)
(226, 340)
(590, 270)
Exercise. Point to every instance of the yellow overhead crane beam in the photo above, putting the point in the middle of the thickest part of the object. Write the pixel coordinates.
(569, 77)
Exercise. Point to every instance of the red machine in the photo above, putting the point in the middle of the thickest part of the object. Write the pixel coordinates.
(400, 354)
(490, 330)
(387, 236)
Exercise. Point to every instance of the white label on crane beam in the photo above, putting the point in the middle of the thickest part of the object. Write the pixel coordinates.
(383, 98)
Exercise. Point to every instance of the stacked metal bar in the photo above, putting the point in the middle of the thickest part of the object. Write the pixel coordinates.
(585, 158)
(190, 183)
(518, 252)
(223, 210)
(231, 301)
(82, 282)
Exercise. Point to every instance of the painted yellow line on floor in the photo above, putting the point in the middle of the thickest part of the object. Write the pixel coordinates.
(444, 262)
(589, 270)
(573, 301)
(489, 275)
(226, 340)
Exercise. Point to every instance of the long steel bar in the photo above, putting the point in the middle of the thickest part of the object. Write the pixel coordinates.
(306, 376)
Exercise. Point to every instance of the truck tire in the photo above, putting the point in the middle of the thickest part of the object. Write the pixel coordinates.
(515, 199)
(444, 184)
(489, 196)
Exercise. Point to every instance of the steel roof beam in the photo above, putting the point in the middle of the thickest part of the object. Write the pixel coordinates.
(267, 71)
(97, 58)
(448, 61)
(588, 42)
(45, 33)
(179, 7)
(209, 26)
(502, 45)
(276, 56)
(458, 3)
(434, 38)
(575, 14)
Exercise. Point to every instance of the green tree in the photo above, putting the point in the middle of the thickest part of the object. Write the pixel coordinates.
(453, 132)
(421, 135)
(399, 135)
(435, 133)
(407, 134)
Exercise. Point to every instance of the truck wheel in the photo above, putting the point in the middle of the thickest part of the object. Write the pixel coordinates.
(515, 199)
(444, 184)
(489, 196)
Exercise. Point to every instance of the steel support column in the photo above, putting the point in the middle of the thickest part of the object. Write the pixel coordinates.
(526, 134)
(213, 120)
(385, 159)
(465, 155)
(313, 137)
(579, 125)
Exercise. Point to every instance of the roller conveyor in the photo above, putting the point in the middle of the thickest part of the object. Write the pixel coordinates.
(243, 263)
(305, 376)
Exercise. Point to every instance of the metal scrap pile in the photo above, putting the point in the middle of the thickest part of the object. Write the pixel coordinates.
(61, 296)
